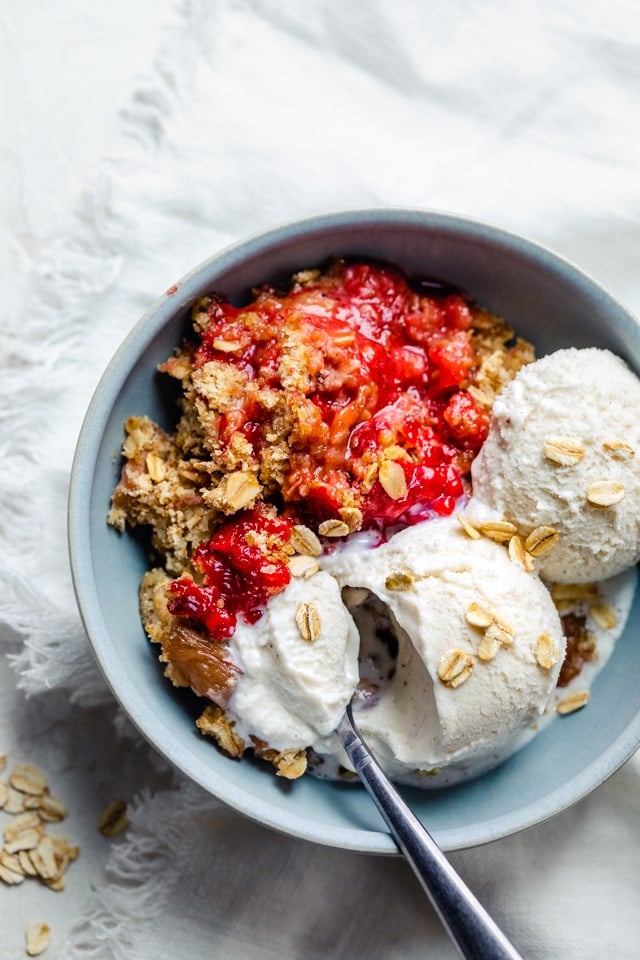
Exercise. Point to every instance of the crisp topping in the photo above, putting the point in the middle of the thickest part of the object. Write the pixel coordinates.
(213, 722)
(333, 528)
(392, 479)
(498, 363)
(155, 467)
(303, 277)
(353, 518)
(303, 540)
(290, 764)
(237, 491)
(286, 397)
(227, 346)
(353, 400)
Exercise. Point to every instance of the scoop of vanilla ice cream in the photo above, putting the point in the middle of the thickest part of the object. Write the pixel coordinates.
(563, 451)
(293, 691)
(459, 689)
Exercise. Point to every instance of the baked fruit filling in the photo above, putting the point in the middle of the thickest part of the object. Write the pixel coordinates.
(353, 398)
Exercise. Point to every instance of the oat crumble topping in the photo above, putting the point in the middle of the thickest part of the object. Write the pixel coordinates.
(349, 399)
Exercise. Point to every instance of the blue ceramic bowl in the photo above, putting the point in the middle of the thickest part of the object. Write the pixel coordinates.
(549, 302)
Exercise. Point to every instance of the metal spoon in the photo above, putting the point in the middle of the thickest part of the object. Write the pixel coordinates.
(472, 930)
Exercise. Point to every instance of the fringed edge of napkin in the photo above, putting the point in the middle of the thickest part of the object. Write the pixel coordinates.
(46, 357)
(117, 921)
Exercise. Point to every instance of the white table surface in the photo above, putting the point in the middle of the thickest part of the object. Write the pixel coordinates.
(525, 114)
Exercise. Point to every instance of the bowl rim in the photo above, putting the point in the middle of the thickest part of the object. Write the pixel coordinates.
(172, 302)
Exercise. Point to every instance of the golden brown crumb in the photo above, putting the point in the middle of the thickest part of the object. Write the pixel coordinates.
(173, 507)
(213, 722)
(500, 356)
(290, 764)
(184, 485)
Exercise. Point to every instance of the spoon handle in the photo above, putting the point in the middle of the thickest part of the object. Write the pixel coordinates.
(475, 934)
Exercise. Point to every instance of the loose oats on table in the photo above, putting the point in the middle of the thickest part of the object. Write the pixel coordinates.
(29, 852)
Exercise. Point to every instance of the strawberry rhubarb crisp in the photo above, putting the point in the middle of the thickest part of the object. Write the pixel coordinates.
(348, 404)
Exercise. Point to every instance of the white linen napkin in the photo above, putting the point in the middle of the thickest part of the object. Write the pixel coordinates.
(249, 114)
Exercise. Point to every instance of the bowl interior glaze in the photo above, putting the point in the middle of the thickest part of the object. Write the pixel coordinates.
(548, 301)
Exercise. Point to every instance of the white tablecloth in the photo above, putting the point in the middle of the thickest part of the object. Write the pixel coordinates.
(137, 139)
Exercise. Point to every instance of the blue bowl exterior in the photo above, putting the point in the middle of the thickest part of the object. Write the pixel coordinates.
(548, 301)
